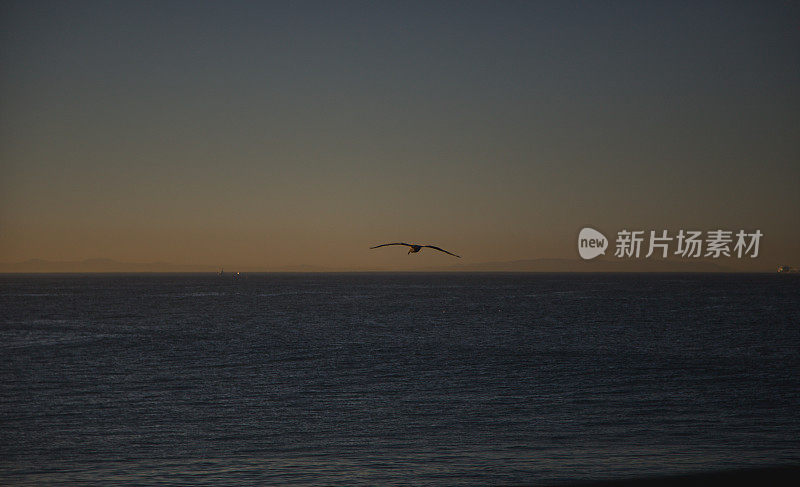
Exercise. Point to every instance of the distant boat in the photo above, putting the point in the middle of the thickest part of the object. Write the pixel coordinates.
(785, 269)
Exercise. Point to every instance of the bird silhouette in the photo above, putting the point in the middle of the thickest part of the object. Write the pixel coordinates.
(416, 248)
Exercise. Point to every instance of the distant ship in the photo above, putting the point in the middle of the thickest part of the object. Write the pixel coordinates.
(785, 269)
(235, 275)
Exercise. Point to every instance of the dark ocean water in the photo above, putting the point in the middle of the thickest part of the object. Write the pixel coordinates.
(395, 379)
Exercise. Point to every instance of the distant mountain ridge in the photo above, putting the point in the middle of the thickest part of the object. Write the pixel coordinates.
(98, 265)
(598, 265)
(527, 265)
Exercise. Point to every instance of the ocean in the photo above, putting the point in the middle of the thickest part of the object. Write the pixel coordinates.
(396, 378)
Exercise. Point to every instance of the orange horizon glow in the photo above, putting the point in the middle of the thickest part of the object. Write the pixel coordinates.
(275, 136)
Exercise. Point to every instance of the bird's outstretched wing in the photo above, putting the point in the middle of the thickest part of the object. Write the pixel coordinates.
(396, 243)
(441, 250)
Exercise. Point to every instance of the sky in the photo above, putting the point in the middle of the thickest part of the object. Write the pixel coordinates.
(269, 134)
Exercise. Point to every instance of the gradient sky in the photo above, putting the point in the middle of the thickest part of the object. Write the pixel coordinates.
(261, 134)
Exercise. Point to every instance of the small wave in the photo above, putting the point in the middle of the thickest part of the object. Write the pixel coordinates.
(38, 295)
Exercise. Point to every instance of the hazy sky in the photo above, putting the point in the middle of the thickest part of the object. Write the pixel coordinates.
(283, 133)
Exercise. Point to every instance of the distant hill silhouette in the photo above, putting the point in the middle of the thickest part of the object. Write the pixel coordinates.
(597, 265)
(99, 265)
(529, 265)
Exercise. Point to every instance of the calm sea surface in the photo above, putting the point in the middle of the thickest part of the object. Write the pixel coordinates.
(395, 379)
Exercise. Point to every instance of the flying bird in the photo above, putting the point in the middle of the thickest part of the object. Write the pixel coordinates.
(416, 248)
